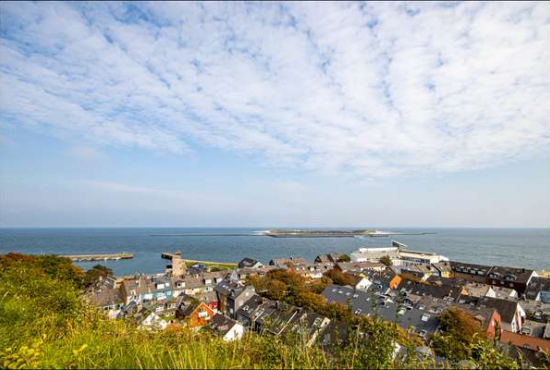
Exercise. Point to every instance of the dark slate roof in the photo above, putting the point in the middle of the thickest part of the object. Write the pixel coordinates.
(363, 303)
(274, 315)
(148, 284)
(330, 257)
(186, 304)
(536, 285)
(249, 307)
(306, 322)
(221, 323)
(437, 280)
(103, 293)
(470, 268)
(322, 258)
(314, 267)
(230, 288)
(384, 276)
(422, 289)
(518, 275)
(284, 261)
(506, 309)
(247, 262)
(358, 266)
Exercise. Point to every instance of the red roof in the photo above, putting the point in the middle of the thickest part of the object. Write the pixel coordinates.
(525, 341)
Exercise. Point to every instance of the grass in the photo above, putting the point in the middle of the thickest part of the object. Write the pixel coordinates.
(45, 324)
(219, 265)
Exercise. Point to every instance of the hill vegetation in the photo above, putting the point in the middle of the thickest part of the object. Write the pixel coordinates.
(44, 323)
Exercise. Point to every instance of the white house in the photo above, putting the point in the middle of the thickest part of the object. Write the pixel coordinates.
(153, 322)
(363, 284)
(227, 328)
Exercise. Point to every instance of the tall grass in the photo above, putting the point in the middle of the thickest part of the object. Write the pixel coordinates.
(45, 324)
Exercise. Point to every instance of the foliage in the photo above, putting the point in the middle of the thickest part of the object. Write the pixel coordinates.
(386, 260)
(459, 331)
(45, 324)
(318, 285)
(276, 290)
(96, 273)
(344, 258)
(339, 278)
(461, 325)
(294, 289)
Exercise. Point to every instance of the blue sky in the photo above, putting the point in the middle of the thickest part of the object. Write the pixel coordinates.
(249, 114)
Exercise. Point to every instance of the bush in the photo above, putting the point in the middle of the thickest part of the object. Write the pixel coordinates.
(386, 260)
(339, 278)
(344, 258)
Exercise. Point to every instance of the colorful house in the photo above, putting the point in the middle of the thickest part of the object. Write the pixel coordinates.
(194, 313)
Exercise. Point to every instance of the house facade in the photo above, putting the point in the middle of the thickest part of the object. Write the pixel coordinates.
(232, 295)
(194, 313)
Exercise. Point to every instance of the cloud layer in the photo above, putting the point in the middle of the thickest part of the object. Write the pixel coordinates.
(370, 90)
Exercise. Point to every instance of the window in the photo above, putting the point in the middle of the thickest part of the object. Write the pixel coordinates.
(203, 314)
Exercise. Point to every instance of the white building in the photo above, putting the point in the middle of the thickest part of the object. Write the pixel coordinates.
(227, 328)
(153, 322)
(398, 255)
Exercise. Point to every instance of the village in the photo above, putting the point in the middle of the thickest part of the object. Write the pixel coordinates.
(412, 289)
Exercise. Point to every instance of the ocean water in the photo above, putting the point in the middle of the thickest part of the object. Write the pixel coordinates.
(529, 248)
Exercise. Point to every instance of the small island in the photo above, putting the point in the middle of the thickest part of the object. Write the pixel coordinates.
(321, 233)
(333, 233)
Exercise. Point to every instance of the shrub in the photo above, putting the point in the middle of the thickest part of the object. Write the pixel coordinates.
(386, 260)
(339, 278)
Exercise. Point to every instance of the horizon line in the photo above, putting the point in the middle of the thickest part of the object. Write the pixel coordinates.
(272, 227)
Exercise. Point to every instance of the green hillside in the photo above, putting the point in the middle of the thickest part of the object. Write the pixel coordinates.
(45, 324)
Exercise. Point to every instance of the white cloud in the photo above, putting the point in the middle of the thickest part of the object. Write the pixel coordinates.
(370, 90)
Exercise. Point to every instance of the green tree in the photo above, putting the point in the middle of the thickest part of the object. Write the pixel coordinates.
(276, 290)
(459, 331)
(319, 285)
(344, 258)
(96, 273)
(386, 260)
(339, 278)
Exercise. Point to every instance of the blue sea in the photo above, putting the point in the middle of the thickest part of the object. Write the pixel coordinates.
(529, 248)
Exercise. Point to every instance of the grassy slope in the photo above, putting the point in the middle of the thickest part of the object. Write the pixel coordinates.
(44, 324)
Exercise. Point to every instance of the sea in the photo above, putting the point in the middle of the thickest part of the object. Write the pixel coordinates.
(528, 248)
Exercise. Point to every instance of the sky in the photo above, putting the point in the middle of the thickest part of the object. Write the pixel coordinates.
(275, 114)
